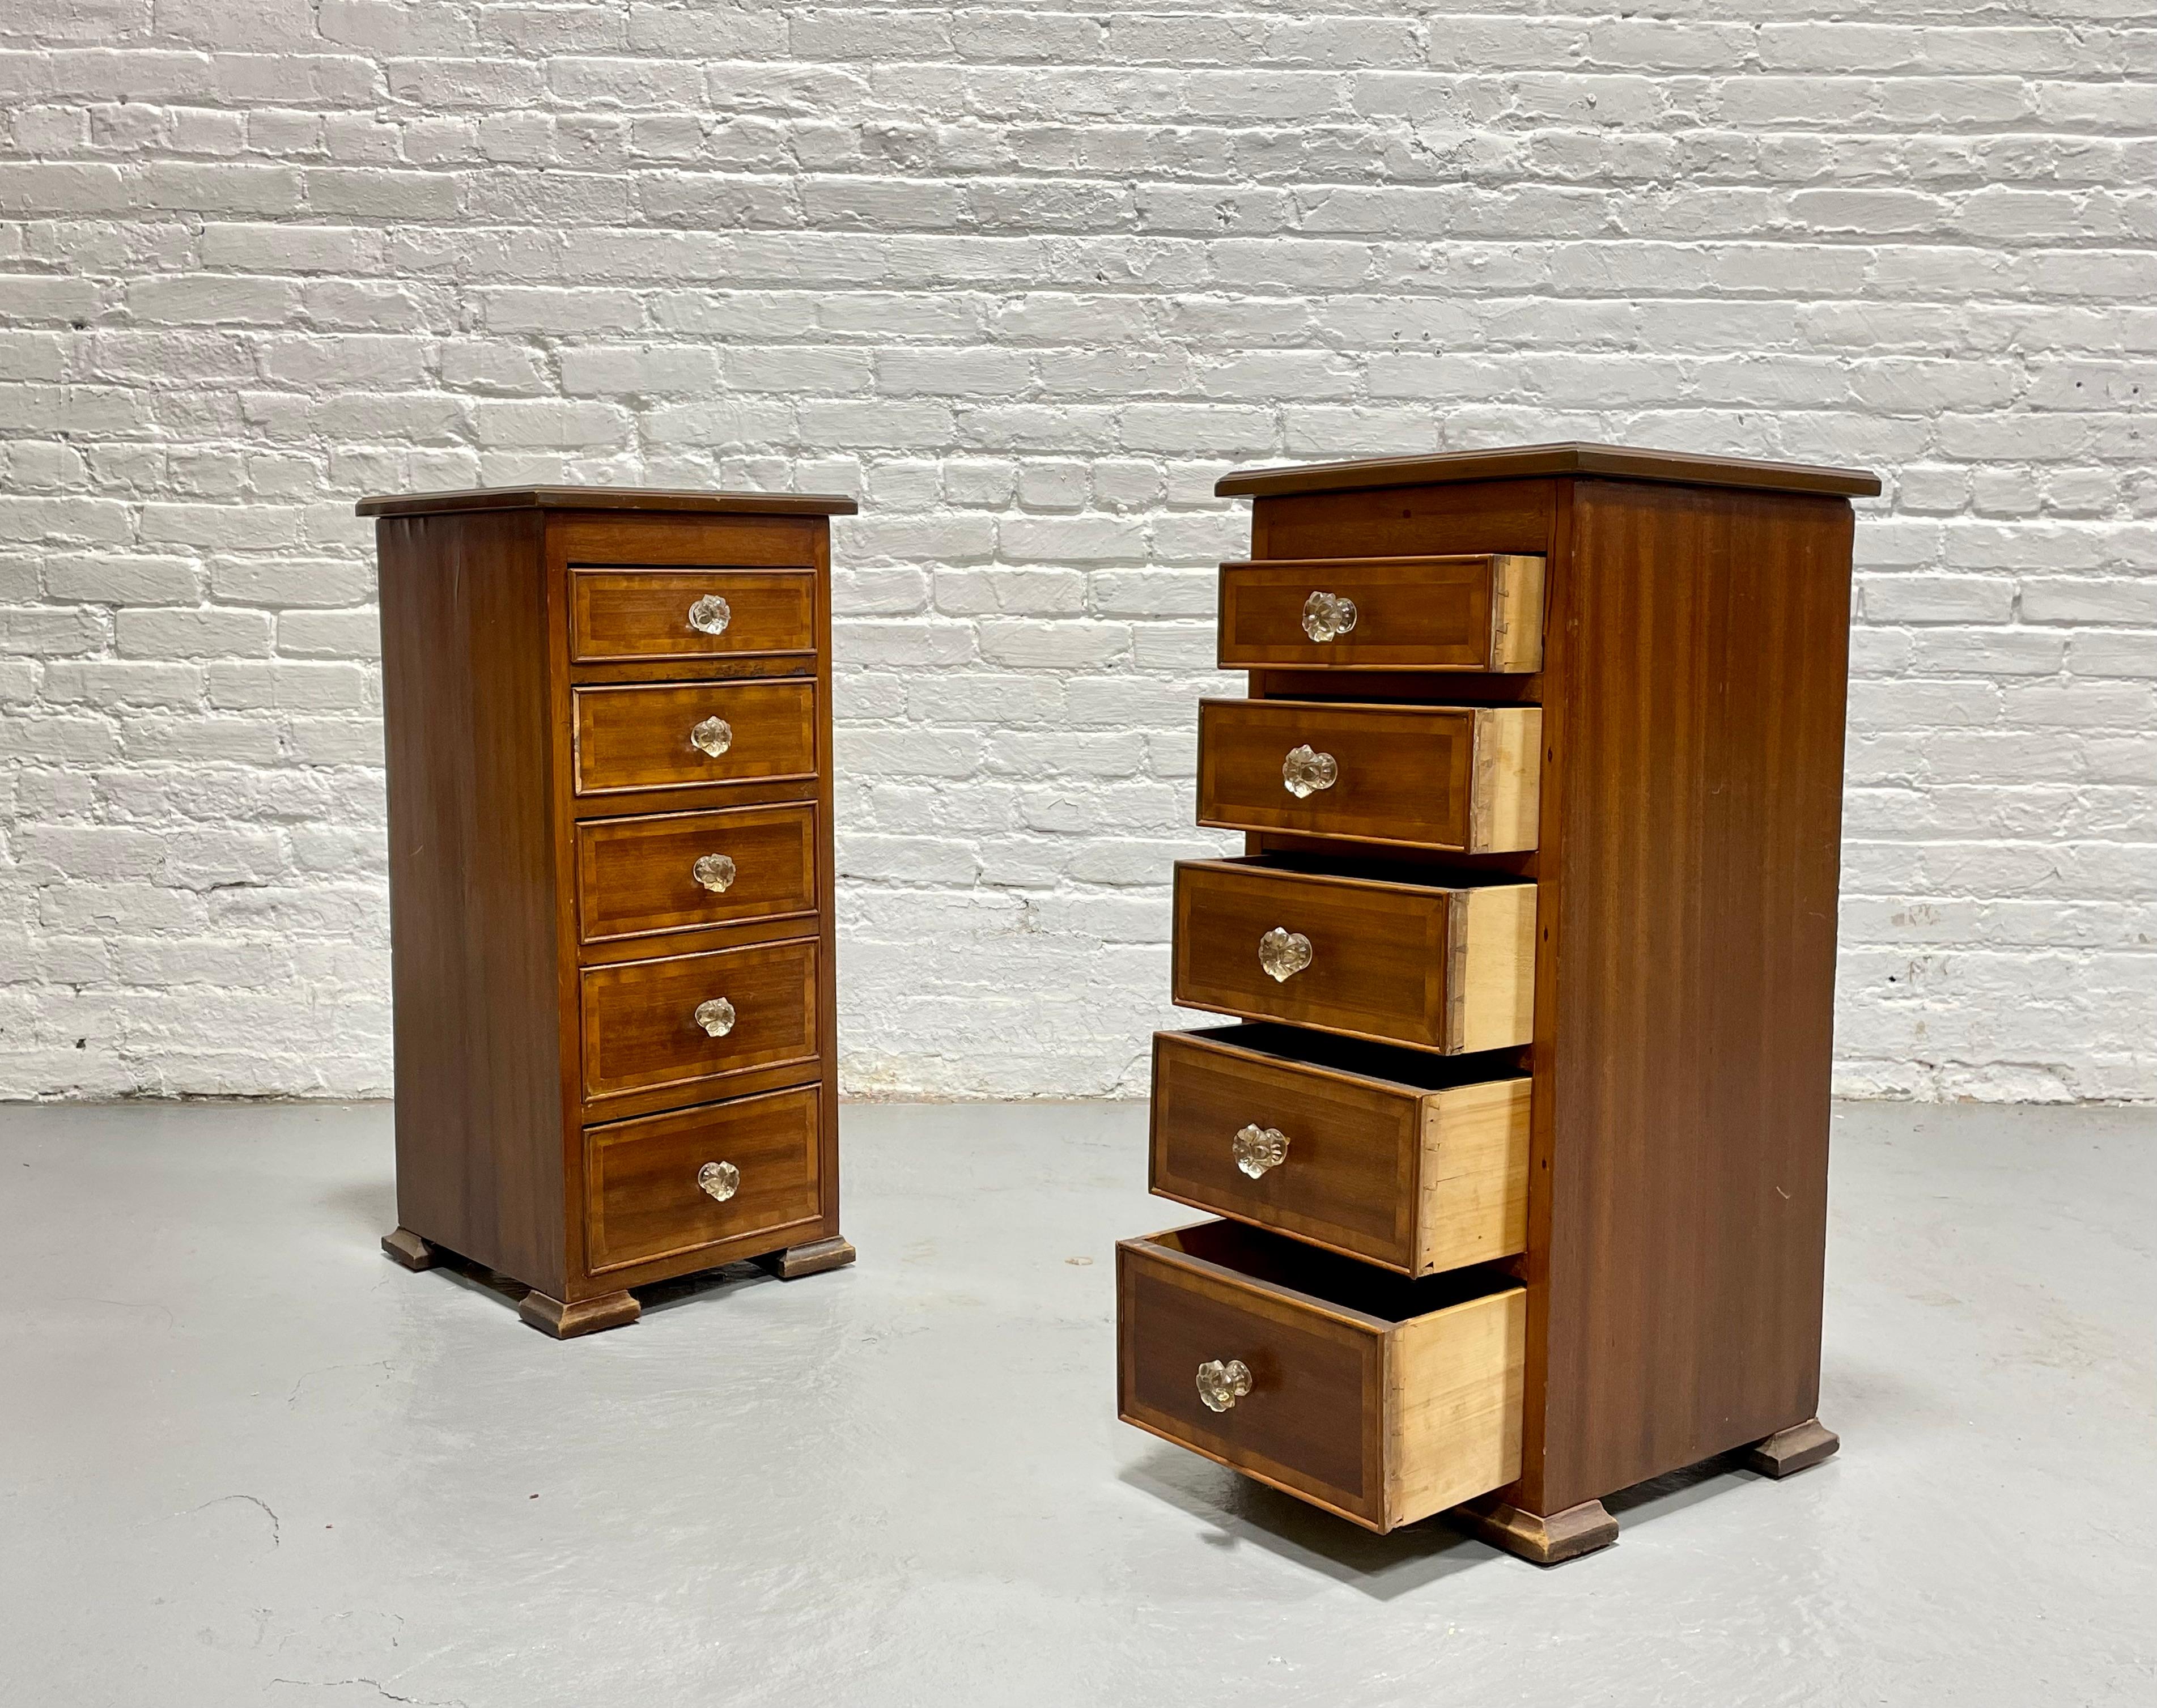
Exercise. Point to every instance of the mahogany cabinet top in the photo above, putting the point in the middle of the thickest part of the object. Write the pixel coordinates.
(1526, 461)
(608, 498)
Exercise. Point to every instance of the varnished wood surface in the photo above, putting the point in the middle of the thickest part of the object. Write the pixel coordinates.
(1531, 1537)
(636, 876)
(565, 1319)
(606, 498)
(1789, 1451)
(1449, 777)
(614, 542)
(641, 1033)
(617, 614)
(637, 738)
(642, 1200)
(816, 1257)
(1616, 462)
(1479, 613)
(1472, 518)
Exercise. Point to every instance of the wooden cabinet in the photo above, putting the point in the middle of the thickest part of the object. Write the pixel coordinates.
(1524, 1165)
(609, 753)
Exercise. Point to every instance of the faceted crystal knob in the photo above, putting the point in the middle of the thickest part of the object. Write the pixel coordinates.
(1257, 1149)
(713, 736)
(716, 1016)
(1221, 1385)
(1305, 772)
(720, 1179)
(715, 872)
(711, 614)
(1327, 616)
(1284, 954)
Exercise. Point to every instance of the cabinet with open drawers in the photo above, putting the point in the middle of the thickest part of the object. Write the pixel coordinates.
(1519, 1153)
(609, 750)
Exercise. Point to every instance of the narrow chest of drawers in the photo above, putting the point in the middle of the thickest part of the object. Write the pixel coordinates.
(1519, 1149)
(607, 714)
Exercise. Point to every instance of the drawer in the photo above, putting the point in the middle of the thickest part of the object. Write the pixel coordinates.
(1460, 778)
(1415, 1162)
(691, 1184)
(688, 735)
(618, 613)
(1438, 966)
(1454, 612)
(1383, 1399)
(637, 877)
(641, 1030)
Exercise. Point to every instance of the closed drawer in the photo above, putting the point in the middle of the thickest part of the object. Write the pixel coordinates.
(729, 1176)
(1459, 777)
(1397, 1159)
(1448, 967)
(617, 614)
(1382, 1399)
(1452, 613)
(688, 735)
(638, 876)
(689, 1021)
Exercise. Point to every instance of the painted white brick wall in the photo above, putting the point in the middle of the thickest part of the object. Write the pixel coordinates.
(1026, 279)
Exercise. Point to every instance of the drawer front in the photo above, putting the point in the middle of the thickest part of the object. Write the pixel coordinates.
(1452, 778)
(1347, 1179)
(638, 876)
(652, 1185)
(616, 614)
(1440, 614)
(648, 737)
(1311, 1421)
(641, 1030)
(624, 540)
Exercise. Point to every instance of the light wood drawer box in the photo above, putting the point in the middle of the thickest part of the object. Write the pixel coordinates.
(647, 1025)
(1478, 613)
(692, 1182)
(685, 613)
(1459, 777)
(1410, 1161)
(1382, 1399)
(647, 736)
(677, 871)
(1448, 967)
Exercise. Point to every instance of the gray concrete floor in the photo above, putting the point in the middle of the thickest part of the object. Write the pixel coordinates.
(245, 1459)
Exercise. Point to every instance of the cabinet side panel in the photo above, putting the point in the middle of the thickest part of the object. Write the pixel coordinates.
(1696, 727)
(472, 889)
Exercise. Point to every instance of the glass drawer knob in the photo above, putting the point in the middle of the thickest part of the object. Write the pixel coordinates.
(1284, 954)
(716, 1016)
(1221, 1385)
(1327, 616)
(715, 872)
(1304, 772)
(711, 614)
(719, 1180)
(713, 736)
(1257, 1149)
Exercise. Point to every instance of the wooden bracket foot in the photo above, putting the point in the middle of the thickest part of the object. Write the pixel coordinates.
(1563, 1535)
(1789, 1451)
(586, 1316)
(408, 1248)
(812, 1259)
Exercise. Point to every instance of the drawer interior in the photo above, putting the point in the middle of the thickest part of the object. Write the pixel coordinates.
(1320, 1277)
(1414, 1070)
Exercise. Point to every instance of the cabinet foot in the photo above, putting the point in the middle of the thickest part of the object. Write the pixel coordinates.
(1563, 1535)
(812, 1259)
(1789, 1451)
(587, 1316)
(408, 1248)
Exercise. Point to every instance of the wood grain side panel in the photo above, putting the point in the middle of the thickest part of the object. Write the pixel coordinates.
(1454, 1382)
(474, 888)
(639, 738)
(636, 876)
(641, 1033)
(1494, 985)
(1472, 1186)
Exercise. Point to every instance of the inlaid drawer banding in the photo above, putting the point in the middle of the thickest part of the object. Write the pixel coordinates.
(683, 735)
(645, 876)
(1458, 613)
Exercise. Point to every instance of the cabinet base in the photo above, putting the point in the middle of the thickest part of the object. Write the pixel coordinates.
(1563, 1535)
(1789, 1451)
(406, 1247)
(587, 1316)
(819, 1255)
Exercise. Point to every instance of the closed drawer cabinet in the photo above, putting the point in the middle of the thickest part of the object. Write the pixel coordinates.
(725, 1175)
(1438, 966)
(607, 714)
(1380, 1399)
(1378, 1154)
(1439, 777)
(1393, 614)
